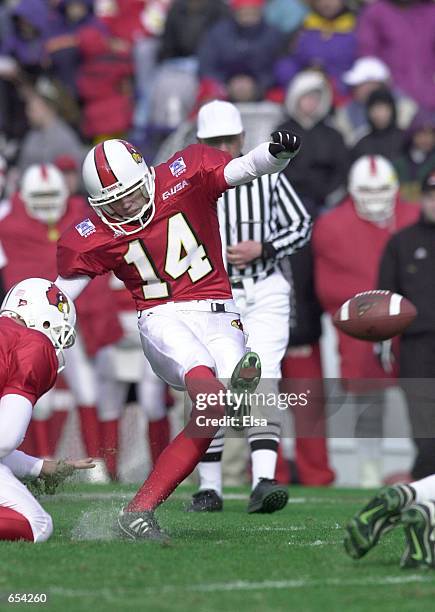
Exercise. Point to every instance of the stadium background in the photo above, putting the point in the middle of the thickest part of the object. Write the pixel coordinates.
(141, 69)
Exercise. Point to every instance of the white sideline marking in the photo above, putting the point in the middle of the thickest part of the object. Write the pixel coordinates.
(304, 583)
(291, 528)
(242, 585)
(122, 495)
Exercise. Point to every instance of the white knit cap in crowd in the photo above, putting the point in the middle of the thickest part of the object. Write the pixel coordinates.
(219, 118)
(366, 69)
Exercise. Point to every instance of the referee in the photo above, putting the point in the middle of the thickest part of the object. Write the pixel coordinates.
(261, 222)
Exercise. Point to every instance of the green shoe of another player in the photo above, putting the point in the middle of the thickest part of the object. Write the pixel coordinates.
(247, 373)
(419, 524)
(379, 516)
(244, 380)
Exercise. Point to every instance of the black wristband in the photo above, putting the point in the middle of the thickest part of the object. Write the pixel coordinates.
(268, 251)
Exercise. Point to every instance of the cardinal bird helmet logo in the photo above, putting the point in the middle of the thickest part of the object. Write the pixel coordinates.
(133, 152)
(56, 298)
(237, 324)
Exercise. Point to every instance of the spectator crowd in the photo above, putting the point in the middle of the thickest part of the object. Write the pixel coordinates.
(353, 78)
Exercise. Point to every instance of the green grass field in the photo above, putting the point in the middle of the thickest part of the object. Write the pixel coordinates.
(233, 562)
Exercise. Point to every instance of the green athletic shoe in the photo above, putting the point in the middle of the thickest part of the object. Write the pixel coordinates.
(244, 380)
(419, 524)
(379, 516)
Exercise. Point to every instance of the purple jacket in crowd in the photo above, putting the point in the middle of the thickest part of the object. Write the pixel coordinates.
(28, 52)
(328, 44)
(403, 36)
(62, 26)
(66, 60)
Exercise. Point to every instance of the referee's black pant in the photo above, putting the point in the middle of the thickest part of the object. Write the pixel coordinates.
(417, 379)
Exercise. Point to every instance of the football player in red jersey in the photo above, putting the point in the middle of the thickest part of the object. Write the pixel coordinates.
(157, 230)
(36, 325)
(120, 364)
(34, 219)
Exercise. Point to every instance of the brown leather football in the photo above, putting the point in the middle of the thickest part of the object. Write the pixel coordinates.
(375, 315)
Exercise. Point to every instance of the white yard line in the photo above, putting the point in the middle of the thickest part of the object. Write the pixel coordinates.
(105, 495)
(242, 585)
(122, 495)
(306, 583)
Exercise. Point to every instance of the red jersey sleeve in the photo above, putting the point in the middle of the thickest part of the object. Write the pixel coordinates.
(213, 164)
(71, 261)
(33, 369)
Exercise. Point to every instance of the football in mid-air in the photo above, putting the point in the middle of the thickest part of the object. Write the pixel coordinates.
(375, 315)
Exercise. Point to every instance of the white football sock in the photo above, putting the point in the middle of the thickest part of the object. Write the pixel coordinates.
(424, 489)
(210, 476)
(263, 465)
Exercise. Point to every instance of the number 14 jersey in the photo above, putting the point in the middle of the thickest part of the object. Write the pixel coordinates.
(176, 257)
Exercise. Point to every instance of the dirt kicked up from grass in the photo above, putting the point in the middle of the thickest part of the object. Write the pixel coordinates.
(231, 561)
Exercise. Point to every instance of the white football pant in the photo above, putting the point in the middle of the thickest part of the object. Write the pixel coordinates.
(14, 495)
(179, 336)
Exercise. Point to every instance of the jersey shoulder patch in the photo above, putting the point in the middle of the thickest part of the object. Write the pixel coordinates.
(178, 167)
(179, 171)
(85, 234)
(85, 228)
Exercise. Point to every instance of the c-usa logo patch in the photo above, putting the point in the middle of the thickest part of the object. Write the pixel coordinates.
(85, 228)
(178, 167)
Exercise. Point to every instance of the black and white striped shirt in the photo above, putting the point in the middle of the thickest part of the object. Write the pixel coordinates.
(266, 210)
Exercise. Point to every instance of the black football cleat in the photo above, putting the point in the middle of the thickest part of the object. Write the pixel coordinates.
(419, 525)
(267, 497)
(206, 501)
(140, 526)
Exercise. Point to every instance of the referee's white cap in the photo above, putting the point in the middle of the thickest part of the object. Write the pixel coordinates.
(219, 118)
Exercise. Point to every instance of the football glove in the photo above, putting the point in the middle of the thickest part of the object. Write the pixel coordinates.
(284, 145)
